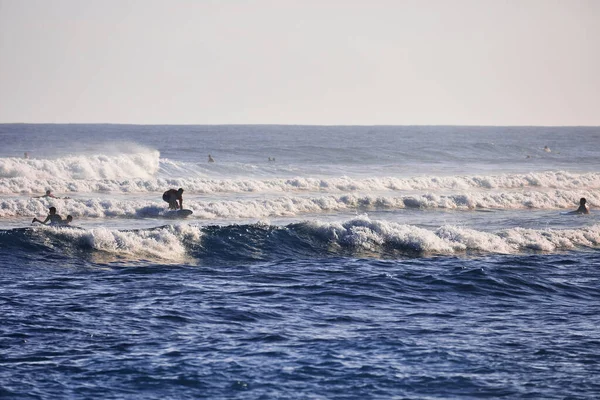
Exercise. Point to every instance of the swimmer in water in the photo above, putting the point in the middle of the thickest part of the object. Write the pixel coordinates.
(52, 217)
(583, 208)
(48, 194)
(51, 195)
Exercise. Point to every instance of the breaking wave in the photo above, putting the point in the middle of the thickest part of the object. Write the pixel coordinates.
(360, 236)
(18, 175)
(145, 172)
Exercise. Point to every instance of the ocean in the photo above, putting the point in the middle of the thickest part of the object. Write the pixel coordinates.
(320, 262)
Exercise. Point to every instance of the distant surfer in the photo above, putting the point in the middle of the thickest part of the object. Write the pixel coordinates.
(68, 220)
(51, 195)
(48, 194)
(172, 196)
(52, 217)
(547, 149)
(583, 208)
(26, 155)
(210, 159)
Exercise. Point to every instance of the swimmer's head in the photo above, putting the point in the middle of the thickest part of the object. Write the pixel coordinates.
(582, 201)
(69, 218)
(48, 192)
(180, 191)
(52, 210)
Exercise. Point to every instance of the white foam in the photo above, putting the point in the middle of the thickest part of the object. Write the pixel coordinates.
(369, 235)
(165, 243)
(294, 205)
(144, 164)
(171, 243)
(144, 173)
(365, 234)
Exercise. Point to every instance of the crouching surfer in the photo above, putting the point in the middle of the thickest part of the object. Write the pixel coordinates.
(173, 196)
(52, 217)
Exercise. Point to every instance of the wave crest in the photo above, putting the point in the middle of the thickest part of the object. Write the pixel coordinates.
(144, 164)
(292, 206)
(360, 236)
(142, 173)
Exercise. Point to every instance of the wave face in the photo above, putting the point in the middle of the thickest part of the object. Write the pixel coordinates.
(360, 236)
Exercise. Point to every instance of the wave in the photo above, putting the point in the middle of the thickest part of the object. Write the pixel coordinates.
(17, 174)
(381, 236)
(290, 206)
(360, 236)
(164, 243)
(146, 173)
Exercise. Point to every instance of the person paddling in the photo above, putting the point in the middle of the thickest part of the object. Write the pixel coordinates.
(52, 217)
(48, 194)
(583, 208)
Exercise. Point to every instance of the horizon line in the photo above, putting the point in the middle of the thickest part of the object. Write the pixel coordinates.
(292, 124)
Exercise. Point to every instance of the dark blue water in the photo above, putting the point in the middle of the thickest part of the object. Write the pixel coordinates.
(320, 326)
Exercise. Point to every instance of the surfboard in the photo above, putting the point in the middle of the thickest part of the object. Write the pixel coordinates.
(174, 214)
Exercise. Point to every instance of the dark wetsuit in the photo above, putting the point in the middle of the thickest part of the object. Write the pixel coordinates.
(171, 196)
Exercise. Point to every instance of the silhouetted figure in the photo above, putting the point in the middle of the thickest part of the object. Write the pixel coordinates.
(171, 196)
(52, 217)
(583, 208)
(210, 159)
(48, 194)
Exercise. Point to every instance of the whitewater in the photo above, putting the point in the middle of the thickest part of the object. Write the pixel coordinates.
(319, 262)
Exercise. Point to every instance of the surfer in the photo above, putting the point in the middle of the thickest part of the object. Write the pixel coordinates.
(68, 220)
(210, 159)
(583, 208)
(53, 217)
(48, 194)
(51, 195)
(171, 196)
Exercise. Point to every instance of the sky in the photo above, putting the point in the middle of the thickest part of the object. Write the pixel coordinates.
(313, 62)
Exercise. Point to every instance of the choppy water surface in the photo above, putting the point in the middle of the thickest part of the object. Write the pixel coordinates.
(364, 262)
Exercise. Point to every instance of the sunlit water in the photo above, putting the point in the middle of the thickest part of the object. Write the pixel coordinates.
(363, 262)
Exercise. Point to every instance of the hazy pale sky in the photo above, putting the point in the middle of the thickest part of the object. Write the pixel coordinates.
(397, 62)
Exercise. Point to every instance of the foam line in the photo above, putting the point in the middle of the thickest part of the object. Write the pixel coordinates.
(290, 206)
